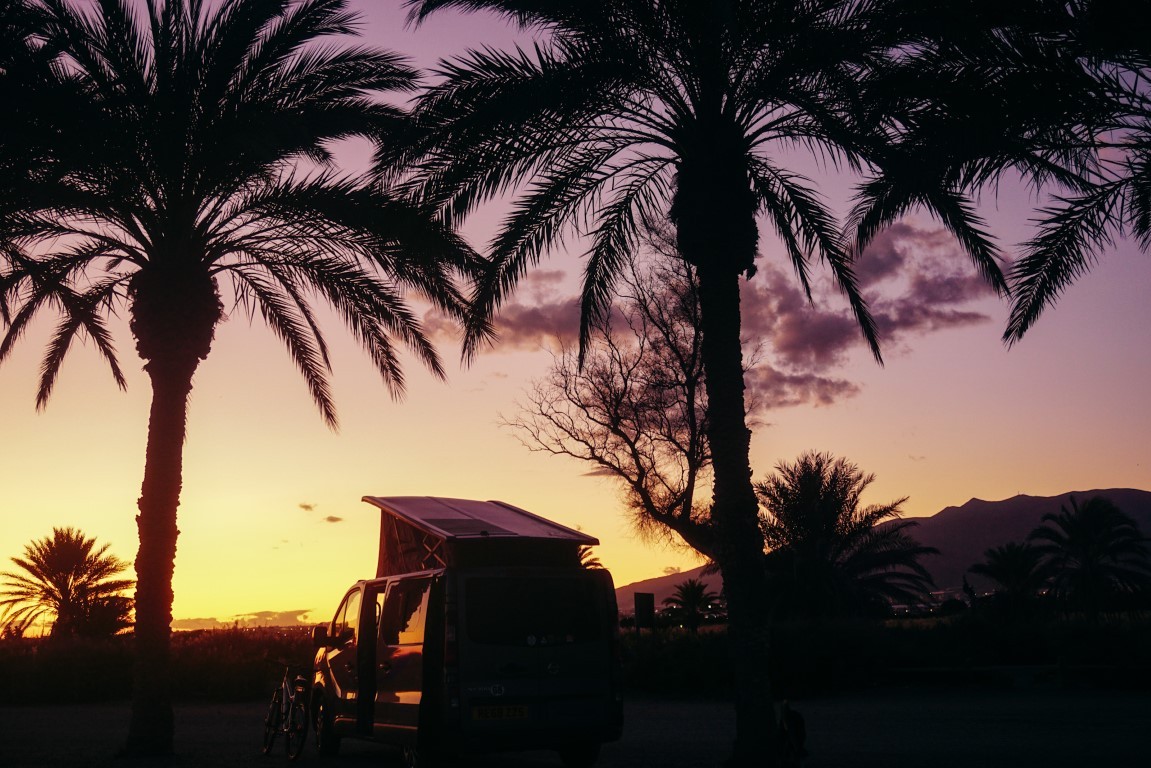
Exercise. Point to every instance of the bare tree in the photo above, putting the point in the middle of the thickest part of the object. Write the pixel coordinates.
(635, 408)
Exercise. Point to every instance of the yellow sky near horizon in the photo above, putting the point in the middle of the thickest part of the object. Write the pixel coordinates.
(271, 519)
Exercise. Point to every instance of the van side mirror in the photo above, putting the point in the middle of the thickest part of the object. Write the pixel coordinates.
(320, 637)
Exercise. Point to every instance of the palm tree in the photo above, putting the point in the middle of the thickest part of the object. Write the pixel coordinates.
(195, 173)
(27, 93)
(626, 110)
(1116, 200)
(68, 580)
(691, 602)
(1093, 551)
(1017, 572)
(587, 558)
(827, 554)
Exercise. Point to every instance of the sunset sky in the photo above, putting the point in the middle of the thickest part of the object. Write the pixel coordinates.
(272, 526)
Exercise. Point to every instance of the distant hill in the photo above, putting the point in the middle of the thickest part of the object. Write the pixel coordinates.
(961, 534)
(664, 587)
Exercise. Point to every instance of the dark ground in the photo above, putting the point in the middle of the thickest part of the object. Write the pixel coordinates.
(892, 728)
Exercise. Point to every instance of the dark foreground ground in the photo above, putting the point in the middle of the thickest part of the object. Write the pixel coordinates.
(891, 728)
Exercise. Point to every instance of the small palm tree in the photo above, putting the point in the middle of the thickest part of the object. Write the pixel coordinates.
(193, 175)
(1094, 552)
(68, 581)
(691, 602)
(828, 555)
(587, 558)
(1018, 574)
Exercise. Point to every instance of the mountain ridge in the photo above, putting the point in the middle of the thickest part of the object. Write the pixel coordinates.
(961, 534)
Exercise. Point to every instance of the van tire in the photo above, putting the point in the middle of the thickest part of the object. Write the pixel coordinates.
(418, 757)
(580, 756)
(327, 740)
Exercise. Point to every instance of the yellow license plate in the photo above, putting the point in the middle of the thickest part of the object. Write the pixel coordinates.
(499, 712)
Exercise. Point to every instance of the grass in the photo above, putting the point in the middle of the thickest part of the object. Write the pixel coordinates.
(966, 650)
(240, 664)
(236, 664)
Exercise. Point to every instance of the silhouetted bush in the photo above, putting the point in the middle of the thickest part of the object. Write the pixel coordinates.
(809, 658)
(65, 670)
(236, 664)
(218, 665)
(967, 649)
(676, 661)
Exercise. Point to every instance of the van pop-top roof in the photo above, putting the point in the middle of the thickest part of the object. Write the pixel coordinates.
(418, 533)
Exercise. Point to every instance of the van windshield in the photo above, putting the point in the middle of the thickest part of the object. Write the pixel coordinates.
(532, 611)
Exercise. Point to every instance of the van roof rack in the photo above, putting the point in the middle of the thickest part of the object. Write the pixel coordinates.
(423, 532)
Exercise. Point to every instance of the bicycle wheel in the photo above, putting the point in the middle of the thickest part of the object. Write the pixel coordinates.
(272, 723)
(296, 731)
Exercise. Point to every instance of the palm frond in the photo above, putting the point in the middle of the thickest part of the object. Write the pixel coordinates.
(299, 334)
(613, 241)
(805, 225)
(1065, 248)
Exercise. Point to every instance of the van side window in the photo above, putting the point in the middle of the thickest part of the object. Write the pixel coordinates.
(405, 612)
(347, 619)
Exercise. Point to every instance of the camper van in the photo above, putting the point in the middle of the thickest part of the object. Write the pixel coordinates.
(480, 633)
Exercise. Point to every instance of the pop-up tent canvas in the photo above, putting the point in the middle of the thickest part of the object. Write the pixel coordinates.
(419, 533)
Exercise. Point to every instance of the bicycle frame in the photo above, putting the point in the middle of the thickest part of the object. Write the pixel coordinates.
(288, 714)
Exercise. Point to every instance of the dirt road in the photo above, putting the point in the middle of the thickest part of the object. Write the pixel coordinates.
(908, 728)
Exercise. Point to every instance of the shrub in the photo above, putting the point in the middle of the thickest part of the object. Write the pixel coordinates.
(217, 665)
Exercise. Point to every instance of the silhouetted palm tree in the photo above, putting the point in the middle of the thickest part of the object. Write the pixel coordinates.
(1109, 35)
(1017, 573)
(28, 92)
(828, 555)
(196, 169)
(1093, 552)
(67, 580)
(691, 602)
(587, 558)
(627, 110)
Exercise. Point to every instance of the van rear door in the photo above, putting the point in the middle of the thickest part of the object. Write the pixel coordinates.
(535, 652)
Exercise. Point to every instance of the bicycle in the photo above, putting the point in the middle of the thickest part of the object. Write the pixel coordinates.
(288, 714)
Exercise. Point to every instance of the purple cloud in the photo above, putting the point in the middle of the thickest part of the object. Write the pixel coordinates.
(916, 281)
(538, 314)
(769, 388)
(530, 326)
(888, 253)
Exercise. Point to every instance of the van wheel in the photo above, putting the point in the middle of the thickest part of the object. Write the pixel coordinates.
(327, 740)
(415, 757)
(581, 756)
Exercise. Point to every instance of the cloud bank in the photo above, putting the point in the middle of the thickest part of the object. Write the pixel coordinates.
(296, 618)
(916, 280)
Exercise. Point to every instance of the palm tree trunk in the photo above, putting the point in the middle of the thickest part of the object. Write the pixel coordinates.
(174, 311)
(735, 513)
(152, 727)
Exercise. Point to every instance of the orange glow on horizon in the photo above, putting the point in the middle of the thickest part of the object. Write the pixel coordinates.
(271, 519)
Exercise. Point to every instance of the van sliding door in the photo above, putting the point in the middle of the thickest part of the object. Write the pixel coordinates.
(400, 659)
